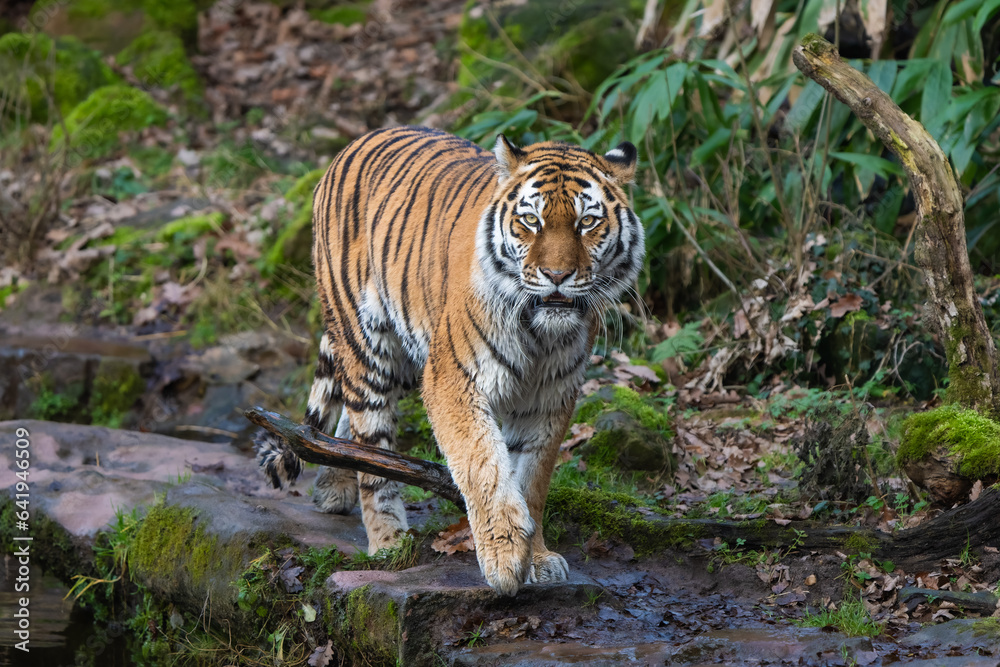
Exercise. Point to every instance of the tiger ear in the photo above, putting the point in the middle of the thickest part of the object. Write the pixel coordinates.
(508, 157)
(622, 159)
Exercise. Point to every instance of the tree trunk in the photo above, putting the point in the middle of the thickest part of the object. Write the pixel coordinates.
(941, 249)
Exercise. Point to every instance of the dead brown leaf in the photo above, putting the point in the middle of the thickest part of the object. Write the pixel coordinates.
(578, 433)
(846, 304)
(455, 538)
(321, 655)
(644, 372)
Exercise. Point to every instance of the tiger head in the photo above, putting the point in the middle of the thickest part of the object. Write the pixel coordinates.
(559, 239)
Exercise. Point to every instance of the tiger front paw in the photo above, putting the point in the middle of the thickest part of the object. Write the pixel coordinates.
(547, 567)
(503, 547)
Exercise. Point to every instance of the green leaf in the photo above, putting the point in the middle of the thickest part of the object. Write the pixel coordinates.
(927, 35)
(709, 103)
(886, 212)
(960, 11)
(686, 341)
(879, 165)
(809, 18)
(937, 94)
(883, 74)
(986, 11)
(965, 102)
(676, 74)
(910, 78)
(805, 106)
(652, 94)
(715, 141)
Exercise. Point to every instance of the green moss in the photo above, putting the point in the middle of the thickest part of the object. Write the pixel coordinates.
(967, 435)
(116, 388)
(158, 60)
(190, 228)
(294, 242)
(617, 515)
(623, 399)
(370, 626)
(33, 63)
(176, 16)
(861, 542)
(95, 124)
(342, 14)
(173, 554)
(986, 626)
(966, 384)
(603, 449)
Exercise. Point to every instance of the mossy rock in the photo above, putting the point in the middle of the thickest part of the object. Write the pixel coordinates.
(94, 125)
(969, 439)
(33, 63)
(179, 17)
(367, 622)
(622, 442)
(628, 401)
(158, 60)
(294, 242)
(174, 555)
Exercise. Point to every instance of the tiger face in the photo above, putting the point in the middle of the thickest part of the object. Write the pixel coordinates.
(559, 239)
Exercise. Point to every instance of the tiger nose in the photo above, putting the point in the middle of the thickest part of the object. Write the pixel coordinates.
(556, 277)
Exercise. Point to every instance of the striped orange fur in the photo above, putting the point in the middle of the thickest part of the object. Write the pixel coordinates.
(484, 276)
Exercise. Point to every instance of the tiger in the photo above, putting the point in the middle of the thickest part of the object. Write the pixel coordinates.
(482, 277)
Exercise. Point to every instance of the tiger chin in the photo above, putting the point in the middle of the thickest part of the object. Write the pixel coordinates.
(482, 276)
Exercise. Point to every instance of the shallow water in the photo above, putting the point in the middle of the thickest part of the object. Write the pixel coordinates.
(58, 635)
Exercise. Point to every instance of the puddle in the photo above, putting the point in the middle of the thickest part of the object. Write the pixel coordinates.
(57, 633)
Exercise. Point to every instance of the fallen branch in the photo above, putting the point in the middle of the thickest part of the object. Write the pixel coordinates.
(313, 446)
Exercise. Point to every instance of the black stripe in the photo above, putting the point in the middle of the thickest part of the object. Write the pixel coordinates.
(454, 353)
(517, 445)
(504, 361)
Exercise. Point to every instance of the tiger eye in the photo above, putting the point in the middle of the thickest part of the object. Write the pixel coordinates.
(531, 219)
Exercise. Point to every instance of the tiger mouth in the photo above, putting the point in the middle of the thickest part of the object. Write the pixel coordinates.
(558, 301)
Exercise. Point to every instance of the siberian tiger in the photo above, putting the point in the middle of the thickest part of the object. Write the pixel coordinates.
(485, 275)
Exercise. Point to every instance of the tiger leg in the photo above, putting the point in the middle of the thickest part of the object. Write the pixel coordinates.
(335, 490)
(373, 385)
(480, 465)
(533, 438)
(382, 507)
